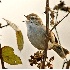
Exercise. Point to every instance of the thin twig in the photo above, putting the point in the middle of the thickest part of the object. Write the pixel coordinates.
(57, 33)
(59, 21)
(63, 64)
(2, 62)
(4, 26)
(56, 28)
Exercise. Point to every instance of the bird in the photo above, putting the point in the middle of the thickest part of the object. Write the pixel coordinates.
(36, 32)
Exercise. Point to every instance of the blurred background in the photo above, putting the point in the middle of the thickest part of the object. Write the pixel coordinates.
(14, 10)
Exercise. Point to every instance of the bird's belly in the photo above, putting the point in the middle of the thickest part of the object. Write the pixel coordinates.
(38, 40)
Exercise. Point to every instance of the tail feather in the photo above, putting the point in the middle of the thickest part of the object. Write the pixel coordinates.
(65, 51)
(62, 52)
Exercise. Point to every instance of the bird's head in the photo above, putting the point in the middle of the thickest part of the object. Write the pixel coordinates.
(35, 18)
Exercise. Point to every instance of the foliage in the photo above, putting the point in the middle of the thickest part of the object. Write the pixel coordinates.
(19, 36)
(19, 40)
(7, 53)
(37, 59)
(9, 56)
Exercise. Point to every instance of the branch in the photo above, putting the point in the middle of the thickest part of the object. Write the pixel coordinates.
(4, 26)
(47, 26)
(63, 64)
(2, 62)
(59, 22)
(47, 32)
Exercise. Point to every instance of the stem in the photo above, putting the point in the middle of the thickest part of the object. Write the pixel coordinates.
(56, 29)
(47, 27)
(2, 62)
(4, 26)
(59, 22)
(63, 64)
(47, 33)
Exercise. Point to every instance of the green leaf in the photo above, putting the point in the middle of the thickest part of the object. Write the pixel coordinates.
(9, 56)
(6, 51)
(20, 41)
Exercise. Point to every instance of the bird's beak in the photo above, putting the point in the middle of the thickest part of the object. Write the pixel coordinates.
(26, 17)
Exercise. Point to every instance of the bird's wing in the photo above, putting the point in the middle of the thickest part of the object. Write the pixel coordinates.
(52, 36)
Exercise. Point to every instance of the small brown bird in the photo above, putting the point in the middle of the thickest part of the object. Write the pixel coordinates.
(36, 33)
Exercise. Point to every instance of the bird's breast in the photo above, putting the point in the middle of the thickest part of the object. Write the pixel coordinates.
(37, 36)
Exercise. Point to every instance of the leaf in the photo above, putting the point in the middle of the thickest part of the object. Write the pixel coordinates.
(9, 56)
(14, 26)
(20, 41)
(19, 36)
(6, 50)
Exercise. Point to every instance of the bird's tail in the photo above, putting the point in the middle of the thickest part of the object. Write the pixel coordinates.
(62, 52)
